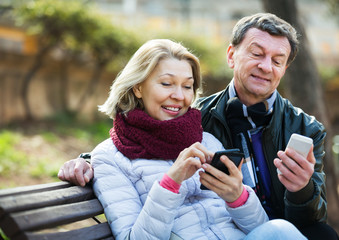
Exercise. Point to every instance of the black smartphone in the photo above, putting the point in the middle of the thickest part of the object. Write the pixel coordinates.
(233, 154)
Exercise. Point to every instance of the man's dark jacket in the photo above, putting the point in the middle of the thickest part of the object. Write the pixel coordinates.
(285, 121)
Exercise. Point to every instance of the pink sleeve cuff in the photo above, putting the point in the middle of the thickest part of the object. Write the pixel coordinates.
(169, 184)
(240, 201)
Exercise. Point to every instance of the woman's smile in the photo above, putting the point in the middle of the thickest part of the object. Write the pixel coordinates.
(168, 92)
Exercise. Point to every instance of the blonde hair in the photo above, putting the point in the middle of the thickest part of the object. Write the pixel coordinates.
(137, 70)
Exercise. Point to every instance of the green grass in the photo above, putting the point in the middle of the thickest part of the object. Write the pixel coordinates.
(10, 157)
(35, 152)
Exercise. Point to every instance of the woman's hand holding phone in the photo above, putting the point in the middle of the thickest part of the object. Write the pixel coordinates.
(223, 175)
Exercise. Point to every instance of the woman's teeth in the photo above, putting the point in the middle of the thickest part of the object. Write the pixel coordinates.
(172, 109)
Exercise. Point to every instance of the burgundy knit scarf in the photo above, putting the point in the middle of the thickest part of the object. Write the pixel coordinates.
(140, 136)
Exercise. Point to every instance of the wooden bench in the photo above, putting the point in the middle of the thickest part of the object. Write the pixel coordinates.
(42, 212)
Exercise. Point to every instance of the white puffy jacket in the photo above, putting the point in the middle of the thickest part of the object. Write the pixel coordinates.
(137, 207)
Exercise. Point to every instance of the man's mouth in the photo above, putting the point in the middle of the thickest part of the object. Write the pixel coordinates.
(260, 78)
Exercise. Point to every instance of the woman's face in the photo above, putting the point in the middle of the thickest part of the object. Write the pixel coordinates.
(168, 92)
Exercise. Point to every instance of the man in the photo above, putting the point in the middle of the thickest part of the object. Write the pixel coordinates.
(251, 115)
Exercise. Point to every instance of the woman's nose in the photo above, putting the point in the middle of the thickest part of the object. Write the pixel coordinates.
(178, 93)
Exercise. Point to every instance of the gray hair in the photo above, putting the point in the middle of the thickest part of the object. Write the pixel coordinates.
(269, 23)
(137, 70)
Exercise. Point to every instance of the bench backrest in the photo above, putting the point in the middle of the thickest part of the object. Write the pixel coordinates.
(35, 212)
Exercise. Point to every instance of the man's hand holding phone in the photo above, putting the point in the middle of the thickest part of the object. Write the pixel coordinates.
(223, 175)
(295, 165)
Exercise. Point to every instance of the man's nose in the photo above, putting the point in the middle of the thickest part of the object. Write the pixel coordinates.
(266, 64)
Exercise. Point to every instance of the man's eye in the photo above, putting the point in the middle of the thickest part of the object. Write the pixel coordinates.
(188, 87)
(165, 84)
(278, 63)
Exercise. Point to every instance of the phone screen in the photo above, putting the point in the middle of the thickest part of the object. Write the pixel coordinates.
(233, 154)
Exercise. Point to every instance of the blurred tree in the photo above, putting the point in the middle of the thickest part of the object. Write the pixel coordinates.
(106, 43)
(334, 8)
(54, 23)
(73, 27)
(304, 88)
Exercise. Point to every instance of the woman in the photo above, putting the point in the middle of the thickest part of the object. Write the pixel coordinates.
(147, 174)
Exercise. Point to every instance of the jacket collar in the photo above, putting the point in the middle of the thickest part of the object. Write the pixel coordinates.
(274, 102)
(270, 101)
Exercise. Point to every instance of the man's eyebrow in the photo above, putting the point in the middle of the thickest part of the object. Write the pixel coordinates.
(256, 45)
(262, 48)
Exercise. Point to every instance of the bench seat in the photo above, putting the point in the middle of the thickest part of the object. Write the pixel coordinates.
(38, 211)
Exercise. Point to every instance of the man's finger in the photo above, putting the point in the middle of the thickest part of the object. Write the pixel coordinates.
(61, 174)
(79, 173)
(310, 156)
(88, 175)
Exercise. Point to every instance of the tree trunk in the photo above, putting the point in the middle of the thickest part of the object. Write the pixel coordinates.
(28, 78)
(304, 89)
(64, 80)
(92, 86)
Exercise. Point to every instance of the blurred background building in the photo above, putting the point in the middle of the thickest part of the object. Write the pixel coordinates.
(213, 19)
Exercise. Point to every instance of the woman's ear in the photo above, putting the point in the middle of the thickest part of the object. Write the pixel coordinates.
(137, 91)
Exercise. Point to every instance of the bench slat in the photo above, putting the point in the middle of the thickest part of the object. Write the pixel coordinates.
(16, 203)
(33, 188)
(99, 231)
(51, 216)
(24, 211)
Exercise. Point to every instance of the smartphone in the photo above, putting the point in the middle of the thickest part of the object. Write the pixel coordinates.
(233, 154)
(301, 144)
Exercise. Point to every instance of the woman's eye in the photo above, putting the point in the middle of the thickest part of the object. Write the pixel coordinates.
(165, 84)
(188, 87)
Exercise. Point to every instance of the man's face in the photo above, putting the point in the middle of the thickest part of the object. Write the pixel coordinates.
(259, 62)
